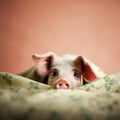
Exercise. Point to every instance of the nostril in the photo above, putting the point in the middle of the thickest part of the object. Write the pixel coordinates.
(60, 84)
(67, 85)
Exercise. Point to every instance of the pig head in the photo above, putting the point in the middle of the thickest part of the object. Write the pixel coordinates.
(66, 71)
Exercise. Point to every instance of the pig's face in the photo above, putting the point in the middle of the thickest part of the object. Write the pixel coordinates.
(64, 72)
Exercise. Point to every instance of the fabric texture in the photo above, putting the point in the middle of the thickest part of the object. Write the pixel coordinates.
(22, 98)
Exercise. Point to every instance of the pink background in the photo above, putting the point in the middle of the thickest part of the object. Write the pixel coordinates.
(89, 27)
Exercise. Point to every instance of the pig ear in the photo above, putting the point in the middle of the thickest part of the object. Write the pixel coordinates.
(44, 62)
(86, 68)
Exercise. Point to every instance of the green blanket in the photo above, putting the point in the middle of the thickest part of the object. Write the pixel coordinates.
(22, 98)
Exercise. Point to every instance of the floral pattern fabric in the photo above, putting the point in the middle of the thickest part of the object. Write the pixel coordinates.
(22, 98)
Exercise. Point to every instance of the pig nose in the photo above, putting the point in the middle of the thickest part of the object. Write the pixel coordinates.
(62, 84)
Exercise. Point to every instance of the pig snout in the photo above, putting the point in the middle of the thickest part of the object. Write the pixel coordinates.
(62, 84)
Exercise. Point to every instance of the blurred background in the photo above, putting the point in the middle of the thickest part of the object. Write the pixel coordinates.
(88, 27)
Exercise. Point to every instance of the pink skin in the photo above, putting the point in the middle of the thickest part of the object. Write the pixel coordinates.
(64, 80)
(67, 71)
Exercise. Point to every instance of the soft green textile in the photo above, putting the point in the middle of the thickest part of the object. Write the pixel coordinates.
(24, 99)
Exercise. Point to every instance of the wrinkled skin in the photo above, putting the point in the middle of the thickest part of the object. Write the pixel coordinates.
(67, 71)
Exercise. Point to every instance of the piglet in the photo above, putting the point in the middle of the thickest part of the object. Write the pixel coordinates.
(66, 71)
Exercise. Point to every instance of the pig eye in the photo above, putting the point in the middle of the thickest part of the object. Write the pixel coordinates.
(55, 72)
(76, 74)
